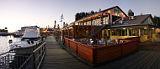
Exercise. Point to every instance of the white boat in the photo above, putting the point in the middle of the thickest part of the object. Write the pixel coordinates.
(30, 40)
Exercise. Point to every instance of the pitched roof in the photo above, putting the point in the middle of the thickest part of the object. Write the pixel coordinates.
(102, 12)
(137, 19)
(113, 8)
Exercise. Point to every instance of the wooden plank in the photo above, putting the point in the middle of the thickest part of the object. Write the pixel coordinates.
(57, 58)
(148, 57)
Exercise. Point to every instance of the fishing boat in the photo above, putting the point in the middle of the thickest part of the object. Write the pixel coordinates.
(30, 40)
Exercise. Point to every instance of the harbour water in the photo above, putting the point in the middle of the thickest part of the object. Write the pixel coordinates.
(4, 43)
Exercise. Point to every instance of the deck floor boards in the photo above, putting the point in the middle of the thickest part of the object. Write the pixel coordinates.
(148, 57)
(58, 58)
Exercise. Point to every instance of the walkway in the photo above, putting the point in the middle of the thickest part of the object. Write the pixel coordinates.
(57, 58)
(148, 57)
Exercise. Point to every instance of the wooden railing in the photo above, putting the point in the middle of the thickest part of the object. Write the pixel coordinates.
(11, 60)
(101, 54)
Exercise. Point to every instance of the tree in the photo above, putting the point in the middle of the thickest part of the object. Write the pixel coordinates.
(156, 21)
(81, 15)
(92, 12)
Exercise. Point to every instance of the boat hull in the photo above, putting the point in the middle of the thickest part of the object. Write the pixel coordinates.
(26, 50)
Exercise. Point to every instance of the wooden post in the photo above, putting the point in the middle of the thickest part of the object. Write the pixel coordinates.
(139, 31)
(102, 19)
(121, 32)
(74, 32)
(34, 64)
(110, 32)
(127, 31)
(110, 18)
(91, 28)
(94, 56)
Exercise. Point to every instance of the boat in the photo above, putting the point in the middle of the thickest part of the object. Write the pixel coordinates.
(30, 40)
(4, 32)
(18, 34)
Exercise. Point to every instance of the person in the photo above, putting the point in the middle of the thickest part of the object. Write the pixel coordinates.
(73, 39)
(102, 41)
(91, 41)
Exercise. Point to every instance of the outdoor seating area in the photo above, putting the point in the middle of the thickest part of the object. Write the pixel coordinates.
(102, 53)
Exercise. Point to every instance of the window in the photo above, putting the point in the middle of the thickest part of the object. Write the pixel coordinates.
(88, 22)
(124, 32)
(130, 32)
(107, 20)
(76, 23)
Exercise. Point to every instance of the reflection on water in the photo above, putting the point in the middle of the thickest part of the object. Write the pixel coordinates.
(4, 43)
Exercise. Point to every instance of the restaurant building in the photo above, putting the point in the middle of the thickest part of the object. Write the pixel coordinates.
(113, 24)
(106, 35)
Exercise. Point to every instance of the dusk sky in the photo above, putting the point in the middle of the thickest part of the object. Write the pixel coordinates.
(17, 13)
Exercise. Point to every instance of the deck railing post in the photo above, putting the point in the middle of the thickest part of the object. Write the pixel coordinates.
(94, 56)
(34, 66)
(8, 59)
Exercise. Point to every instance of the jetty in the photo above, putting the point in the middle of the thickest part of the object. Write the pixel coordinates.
(147, 57)
(56, 57)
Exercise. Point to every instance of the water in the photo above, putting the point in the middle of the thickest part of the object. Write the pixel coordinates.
(4, 43)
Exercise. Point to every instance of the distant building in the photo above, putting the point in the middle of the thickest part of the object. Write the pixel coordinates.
(4, 31)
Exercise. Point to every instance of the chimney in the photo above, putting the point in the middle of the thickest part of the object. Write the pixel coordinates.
(130, 14)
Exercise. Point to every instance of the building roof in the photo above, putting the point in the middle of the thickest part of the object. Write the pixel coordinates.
(99, 13)
(137, 20)
(113, 8)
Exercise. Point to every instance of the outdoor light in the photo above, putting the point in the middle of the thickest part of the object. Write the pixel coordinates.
(109, 11)
(145, 27)
(124, 28)
(116, 14)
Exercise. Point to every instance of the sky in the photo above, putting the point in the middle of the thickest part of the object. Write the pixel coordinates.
(15, 14)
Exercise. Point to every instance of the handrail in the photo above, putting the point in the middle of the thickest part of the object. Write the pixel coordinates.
(94, 34)
(39, 47)
(40, 56)
(25, 62)
(32, 61)
(10, 51)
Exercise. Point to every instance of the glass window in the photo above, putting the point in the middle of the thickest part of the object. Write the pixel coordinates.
(124, 32)
(107, 20)
(130, 32)
(118, 32)
(114, 32)
(145, 32)
(76, 23)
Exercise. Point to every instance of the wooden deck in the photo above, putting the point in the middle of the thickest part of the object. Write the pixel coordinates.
(148, 57)
(58, 58)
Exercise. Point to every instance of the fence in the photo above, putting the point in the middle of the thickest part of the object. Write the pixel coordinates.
(100, 54)
(11, 60)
